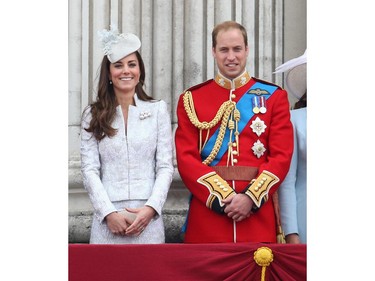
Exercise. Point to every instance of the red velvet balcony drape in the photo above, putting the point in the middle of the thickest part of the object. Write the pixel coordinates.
(227, 261)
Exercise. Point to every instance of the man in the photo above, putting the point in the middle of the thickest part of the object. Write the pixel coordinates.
(234, 144)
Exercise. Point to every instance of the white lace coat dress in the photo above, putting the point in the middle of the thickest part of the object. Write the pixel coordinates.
(130, 169)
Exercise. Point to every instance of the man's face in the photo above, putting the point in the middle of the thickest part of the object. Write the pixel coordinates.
(230, 53)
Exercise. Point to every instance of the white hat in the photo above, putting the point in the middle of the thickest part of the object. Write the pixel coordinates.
(295, 79)
(117, 46)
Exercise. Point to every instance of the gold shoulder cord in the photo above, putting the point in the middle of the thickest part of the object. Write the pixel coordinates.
(223, 113)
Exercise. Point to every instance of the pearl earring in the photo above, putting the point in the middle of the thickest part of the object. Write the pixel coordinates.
(110, 82)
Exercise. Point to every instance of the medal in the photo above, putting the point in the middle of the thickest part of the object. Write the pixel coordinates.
(262, 108)
(255, 105)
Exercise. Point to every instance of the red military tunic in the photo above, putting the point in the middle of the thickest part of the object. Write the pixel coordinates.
(265, 142)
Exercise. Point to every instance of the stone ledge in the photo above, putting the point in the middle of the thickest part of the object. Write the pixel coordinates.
(80, 226)
(174, 214)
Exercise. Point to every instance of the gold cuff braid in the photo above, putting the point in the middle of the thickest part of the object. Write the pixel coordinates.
(217, 186)
(261, 186)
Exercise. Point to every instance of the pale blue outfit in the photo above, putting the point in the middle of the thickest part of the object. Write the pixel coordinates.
(131, 169)
(292, 191)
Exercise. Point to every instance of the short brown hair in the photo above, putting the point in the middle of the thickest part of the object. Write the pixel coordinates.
(225, 26)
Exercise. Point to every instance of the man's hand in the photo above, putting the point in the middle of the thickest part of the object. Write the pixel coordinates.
(238, 207)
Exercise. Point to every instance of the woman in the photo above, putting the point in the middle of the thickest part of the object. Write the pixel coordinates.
(126, 149)
(292, 191)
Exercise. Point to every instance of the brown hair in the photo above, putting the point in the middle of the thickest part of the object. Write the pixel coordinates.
(224, 26)
(104, 108)
(302, 102)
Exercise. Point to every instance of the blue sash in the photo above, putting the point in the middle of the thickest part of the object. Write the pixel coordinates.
(244, 105)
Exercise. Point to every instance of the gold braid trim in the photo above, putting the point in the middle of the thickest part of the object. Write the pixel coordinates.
(260, 187)
(223, 113)
(217, 187)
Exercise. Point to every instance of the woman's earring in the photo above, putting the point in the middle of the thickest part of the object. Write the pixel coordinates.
(110, 82)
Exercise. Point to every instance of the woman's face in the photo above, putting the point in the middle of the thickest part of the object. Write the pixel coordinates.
(125, 74)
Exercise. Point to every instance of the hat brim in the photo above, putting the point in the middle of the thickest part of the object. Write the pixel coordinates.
(296, 81)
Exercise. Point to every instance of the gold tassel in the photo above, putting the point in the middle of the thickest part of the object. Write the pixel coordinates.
(237, 117)
(280, 236)
(263, 257)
